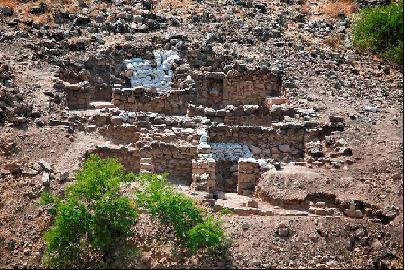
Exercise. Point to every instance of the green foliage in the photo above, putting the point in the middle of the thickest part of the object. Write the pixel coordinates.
(51, 200)
(63, 239)
(98, 178)
(380, 30)
(48, 198)
(169, 206)
(192, 225)
(206, 234)
(93, 219)
(226, 211)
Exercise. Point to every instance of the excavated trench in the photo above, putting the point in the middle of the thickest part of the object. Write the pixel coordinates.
(215, 130)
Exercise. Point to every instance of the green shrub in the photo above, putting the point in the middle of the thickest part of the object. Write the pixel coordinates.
(51, 200)
(92, 220)
(380, 30)
(226, 211)
(168, 205)
(206, 234)
(191, 224)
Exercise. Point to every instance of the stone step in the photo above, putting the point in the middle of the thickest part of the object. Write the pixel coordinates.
(101, 104)
(146, 166)
(322, 211)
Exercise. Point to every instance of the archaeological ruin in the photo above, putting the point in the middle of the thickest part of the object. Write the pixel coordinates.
(216, 128)
(245, 134)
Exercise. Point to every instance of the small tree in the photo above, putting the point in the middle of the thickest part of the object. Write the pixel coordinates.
(93, 220)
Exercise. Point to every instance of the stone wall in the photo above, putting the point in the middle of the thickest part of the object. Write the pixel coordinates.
(141, 99)
(129, 157)
(173, 159)
(210, 89)
(77, 95)
(245, 115)
(162, 158)
(94, 72)
(215, 89)
(281, 142)
(203, 174)
(249, 173)
(251, 87)
(121, 134)
(130, 133)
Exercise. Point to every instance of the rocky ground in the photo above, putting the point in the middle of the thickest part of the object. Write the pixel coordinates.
(42, 143)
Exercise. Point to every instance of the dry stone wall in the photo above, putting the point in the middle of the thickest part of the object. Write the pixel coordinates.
(121, 133)
(129, 157)
(203, 174)
(141, 99)
(217, 89)
(78, 95)
(244, 115)
(249, 172)
(160, 158)
(171, 158)
(283, 142)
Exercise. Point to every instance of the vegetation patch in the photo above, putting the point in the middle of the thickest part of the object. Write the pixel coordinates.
(192, 225)
(380, 30)
(93, 220)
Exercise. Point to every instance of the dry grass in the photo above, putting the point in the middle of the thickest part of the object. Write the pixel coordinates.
(305, 8)
(23, 7)
(333, 7)
(9, 3)
(334, 41)
(172, 4)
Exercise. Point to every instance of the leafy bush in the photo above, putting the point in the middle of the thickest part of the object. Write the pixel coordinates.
(191, 224)
(92, 219)
(206, 234)
(380, 30)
